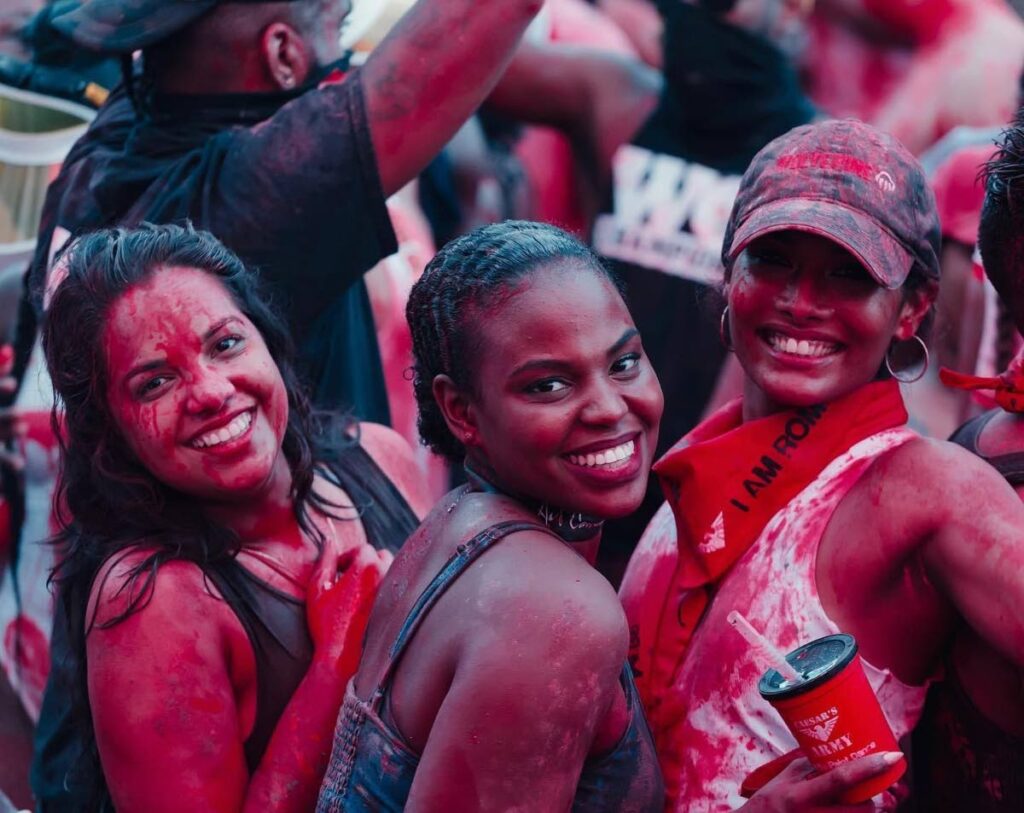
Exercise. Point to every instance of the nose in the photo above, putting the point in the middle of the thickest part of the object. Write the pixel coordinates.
(605, 404)
(208, 391)
(801, 298)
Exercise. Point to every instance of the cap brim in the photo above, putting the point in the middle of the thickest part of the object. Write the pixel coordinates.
(884, 257)
(121, 26)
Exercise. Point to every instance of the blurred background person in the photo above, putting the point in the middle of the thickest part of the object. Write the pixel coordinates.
(730, 87)
(917, 68)
(969, 748)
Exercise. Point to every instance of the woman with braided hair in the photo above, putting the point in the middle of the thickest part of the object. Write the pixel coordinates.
(494, 675)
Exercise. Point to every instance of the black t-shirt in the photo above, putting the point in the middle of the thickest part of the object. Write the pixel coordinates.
(291, 185)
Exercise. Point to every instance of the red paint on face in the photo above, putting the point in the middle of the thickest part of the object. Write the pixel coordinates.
(805, 287)
(185, 370)
(561, 373)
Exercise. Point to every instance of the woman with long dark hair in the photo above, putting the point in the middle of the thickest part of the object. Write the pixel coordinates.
(220, 544)
(808, 504)
(495, 674)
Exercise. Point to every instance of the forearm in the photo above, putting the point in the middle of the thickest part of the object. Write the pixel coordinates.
(431, 72)
(598, 99)
(641, 22)
(289, 775)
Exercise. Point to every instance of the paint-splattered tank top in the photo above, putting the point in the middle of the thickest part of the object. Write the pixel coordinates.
(372, 766)
(711, 726)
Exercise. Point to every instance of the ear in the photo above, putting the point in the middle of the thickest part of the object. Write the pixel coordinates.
(916, 305)
(457, 410)
(286, 55)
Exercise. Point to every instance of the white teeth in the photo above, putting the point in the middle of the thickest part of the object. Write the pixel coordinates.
(802, 347)
(233, 430)
(606, 457)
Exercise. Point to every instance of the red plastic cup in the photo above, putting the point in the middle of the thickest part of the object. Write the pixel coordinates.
(833, 713)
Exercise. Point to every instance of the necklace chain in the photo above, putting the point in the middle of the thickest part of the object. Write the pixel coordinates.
(462, 493)
(279, 567)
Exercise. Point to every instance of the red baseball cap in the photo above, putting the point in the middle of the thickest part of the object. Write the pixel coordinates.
(847, 182)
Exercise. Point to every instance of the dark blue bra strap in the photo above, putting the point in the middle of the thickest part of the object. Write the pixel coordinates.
(465, 554)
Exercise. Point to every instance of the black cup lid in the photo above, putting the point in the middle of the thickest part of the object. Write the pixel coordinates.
(817, 661)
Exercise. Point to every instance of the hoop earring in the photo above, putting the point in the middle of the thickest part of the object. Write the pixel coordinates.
(723, 330)
(902, 375)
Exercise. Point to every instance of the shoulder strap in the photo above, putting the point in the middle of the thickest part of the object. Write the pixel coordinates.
(465, 554)
(968, 434)
(1010, 465)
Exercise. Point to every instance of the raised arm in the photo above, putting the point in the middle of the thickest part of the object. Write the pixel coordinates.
(597, 98)
(431, 72)
(976, 553)
(531, 685)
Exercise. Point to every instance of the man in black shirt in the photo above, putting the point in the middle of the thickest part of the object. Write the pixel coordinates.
(243, 121)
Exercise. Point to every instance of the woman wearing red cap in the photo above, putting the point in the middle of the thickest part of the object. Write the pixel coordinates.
(807, 504)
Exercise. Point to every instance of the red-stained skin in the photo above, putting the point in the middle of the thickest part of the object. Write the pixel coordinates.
(513, 676)
(538, 402)
(991, 680)
(173, 687)
(930, 536)
(182, 362)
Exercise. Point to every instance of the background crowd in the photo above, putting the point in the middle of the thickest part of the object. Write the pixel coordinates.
(339, 164)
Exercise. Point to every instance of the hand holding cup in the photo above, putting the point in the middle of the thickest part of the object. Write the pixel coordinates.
(799, 790)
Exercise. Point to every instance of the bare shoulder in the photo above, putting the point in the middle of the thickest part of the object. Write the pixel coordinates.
(533, 585)
(942, 463)
(936, 479)
(395, 457)
(129, 582)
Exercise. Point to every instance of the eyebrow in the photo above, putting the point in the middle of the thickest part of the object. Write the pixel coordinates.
(148, 366)
(556, 363)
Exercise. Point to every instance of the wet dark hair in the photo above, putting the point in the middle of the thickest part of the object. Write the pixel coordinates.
(1001, 231)
(471, 271)
(108, 503)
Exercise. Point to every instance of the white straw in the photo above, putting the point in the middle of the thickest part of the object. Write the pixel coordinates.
(770, 654)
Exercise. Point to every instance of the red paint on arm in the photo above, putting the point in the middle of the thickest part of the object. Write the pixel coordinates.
(168, 685)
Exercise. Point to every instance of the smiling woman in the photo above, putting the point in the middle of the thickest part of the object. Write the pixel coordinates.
(494, 676)
(808, 504)
(221, 545)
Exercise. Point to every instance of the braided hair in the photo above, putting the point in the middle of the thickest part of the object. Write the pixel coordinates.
(475, 270)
